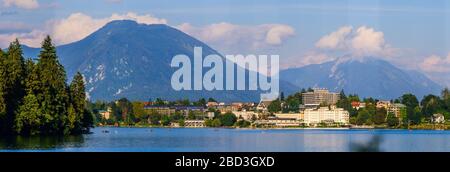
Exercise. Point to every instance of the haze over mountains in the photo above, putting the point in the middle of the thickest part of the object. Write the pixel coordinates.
(127, 59)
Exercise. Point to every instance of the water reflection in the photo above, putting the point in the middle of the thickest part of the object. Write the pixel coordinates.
(40, 142)
(373, 145)
(235, 140)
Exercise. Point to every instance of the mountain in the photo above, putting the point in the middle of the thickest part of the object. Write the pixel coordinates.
(367, 77)
(127, 59)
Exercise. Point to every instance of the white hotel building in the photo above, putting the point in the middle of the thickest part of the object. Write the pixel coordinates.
(326, 115)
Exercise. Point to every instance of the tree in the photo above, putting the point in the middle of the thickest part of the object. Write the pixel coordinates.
(29, 117)
(13, 88)
(125, 110)
(431, 104)
(228, 119)
(445, 94)
(216, 123)
(363, 117)
(392, 121)
(77, 96)
(165, 121)
(380, 116)
(2, 90)
(51, 88)
(200, 102)
(211, 100)
(275, 106)
(412, 108)
(138, 110)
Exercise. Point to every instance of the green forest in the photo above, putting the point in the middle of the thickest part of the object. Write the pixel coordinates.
(35, 98)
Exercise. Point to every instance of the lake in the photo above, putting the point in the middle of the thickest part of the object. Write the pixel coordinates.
(232, 140)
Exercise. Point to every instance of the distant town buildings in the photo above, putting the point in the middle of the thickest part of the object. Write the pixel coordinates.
(326, 115)
(278, 122)
(438, 118)
(357, 105)
(295, 116)
(170, 110)
(397, 109)
(194, 123)
(263, 105)
(383, 104)
(246, 115)
(106, 114)
(320, 96)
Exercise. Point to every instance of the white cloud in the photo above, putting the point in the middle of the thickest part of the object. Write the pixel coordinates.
(32, 38)
(73, 28)
(364, 41)
(229, 36)
(25, 4)
(78, 25)
(223, 35)
(335, 39)
(436, 63)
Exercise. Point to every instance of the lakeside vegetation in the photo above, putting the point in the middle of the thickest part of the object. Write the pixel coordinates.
(416, 115)
(35, 98)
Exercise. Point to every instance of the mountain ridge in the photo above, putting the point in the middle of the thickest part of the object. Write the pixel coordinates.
(127, 59)
(367, 77)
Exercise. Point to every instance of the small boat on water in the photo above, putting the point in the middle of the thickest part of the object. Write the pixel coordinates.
(105, 131)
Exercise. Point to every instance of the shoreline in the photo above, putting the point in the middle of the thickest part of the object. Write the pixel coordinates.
(342, 128)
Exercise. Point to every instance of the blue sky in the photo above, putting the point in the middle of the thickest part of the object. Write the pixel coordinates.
(412, 34)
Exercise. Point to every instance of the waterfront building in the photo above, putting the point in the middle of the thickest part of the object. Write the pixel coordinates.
(194, 123)
(246, 115)
(438, 118)
(163, 110)
(383, 104)
(398, 109)
(226, 108)
(320, 96)
(296, 116)
(279, 122)
(212, 104)
(357, 105)
(326, 115)
(263, 105)
(170, 110)
(106, 114)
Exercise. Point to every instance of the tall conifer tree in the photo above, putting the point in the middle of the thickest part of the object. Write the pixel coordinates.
(2, 90)
(51, 88)
(13, 82)
(78, 101)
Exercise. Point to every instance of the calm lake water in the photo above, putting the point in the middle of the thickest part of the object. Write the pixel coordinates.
(231, 140)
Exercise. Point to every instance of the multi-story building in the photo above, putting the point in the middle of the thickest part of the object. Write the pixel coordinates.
(170, 110)
(319, 96)
(296, 116)
(398, 109)
(326, 115)
(278, 122)
(106, 114)
(246, 115)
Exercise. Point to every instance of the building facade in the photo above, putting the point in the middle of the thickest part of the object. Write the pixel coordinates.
(319, 96)
(398, 109)
(326, 115)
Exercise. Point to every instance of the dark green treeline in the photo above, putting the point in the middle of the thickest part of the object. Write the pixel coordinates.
(35, 98)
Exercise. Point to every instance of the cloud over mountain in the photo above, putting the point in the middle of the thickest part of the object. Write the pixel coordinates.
(363, 41)
(229, 36)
